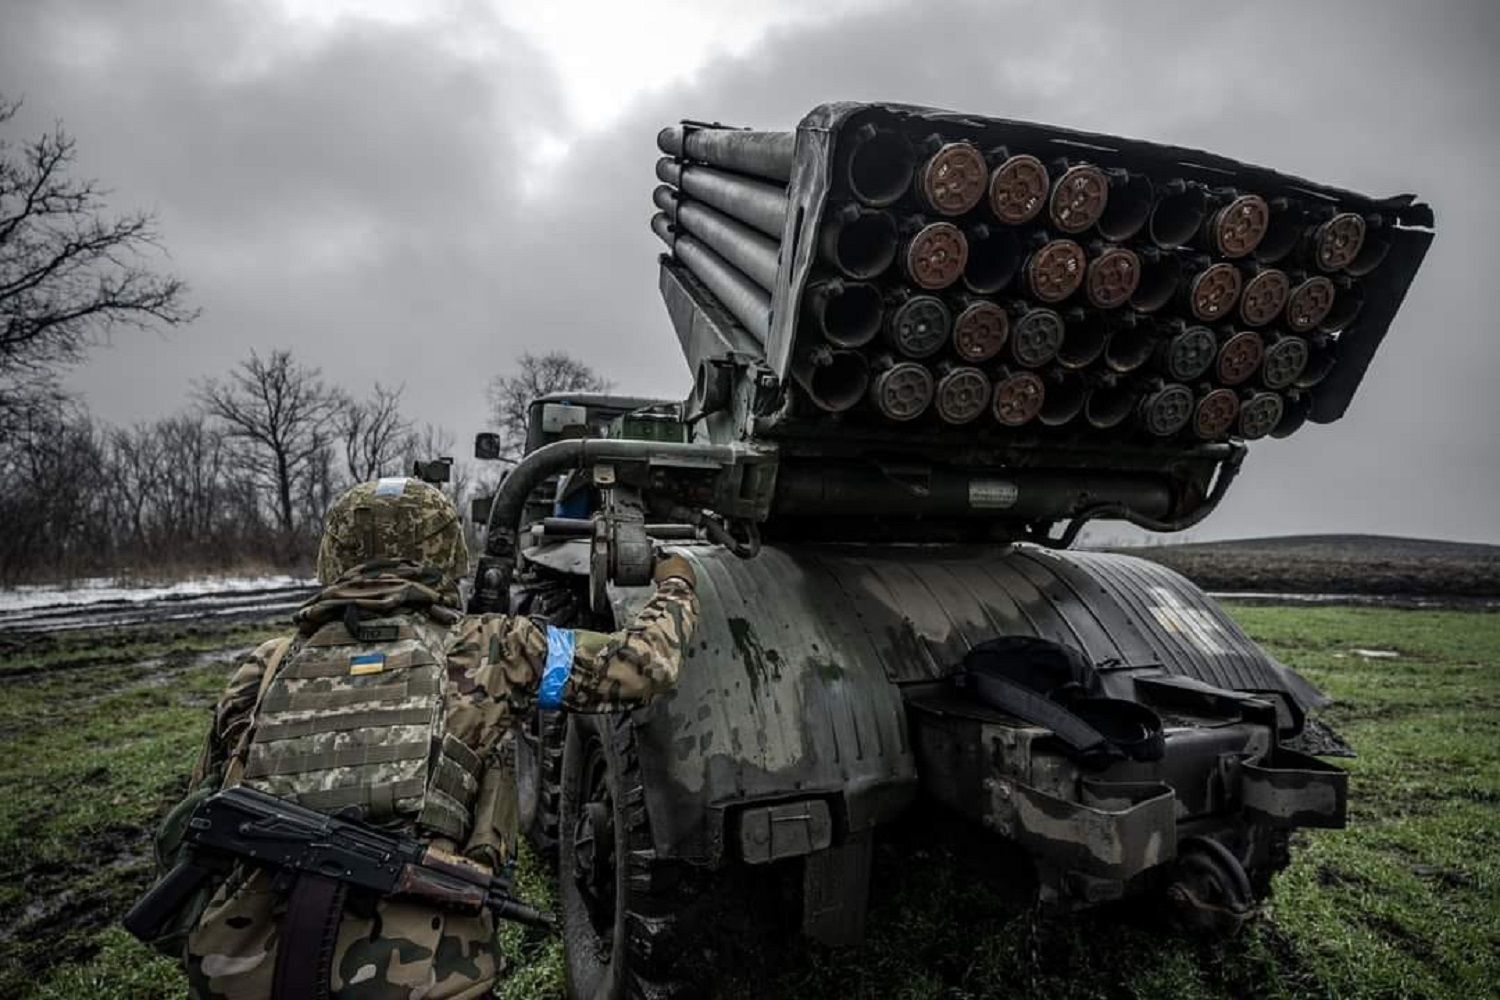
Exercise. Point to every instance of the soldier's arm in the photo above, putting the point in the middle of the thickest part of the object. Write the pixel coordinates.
(514, 661)
(232, 712)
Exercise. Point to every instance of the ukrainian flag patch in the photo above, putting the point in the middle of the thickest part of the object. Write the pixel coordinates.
(366, 663)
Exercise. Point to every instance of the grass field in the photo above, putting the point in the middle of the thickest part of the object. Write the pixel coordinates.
(98, 733)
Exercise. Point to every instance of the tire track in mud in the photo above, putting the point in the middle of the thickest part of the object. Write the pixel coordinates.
(221, 606)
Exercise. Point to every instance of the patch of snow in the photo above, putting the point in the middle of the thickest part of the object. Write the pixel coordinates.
(103, 590)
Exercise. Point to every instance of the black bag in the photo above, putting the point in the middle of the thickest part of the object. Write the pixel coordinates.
(1052, 685)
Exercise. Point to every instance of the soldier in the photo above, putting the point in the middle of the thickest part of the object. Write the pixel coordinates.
(388, 700)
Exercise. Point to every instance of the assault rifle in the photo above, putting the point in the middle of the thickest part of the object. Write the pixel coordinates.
(243, 824)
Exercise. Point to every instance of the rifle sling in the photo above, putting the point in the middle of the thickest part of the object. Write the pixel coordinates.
(309, 933)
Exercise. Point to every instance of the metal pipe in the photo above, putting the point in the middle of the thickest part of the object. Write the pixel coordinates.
(879, 166)
(1083, 340)
(900, 390)
(1309, 303)
(1055, 270)
(1160, 273)
(849, 313)
(994, 257)
(1130, 345)
(1282, 231)
(919, 325)
(1284, 362)
(1035, 336)
(1178, 213)
(753, 202)
(1125, 512)
(744, 299)
(1264, 296)
(1108, 404)
(764, 154)
(499, 564)
(1019, 494)
(833, 380)
(1238, 225)
(1240, 356)
(952, 180)
(1019, 397)
(1337, 242)
(1377, 245)
(1188, 353)
(1018, 188)
(1112, 276)
(1349, 299)
(753, 253)
(1319, 363)
(583, 527)
(1129, 206)
(1215, 414)
(860, 242)
(1066, 392)
(1214, 290)
(962, 393)
(935, 255)
(1166, 409)
(980, 330)
(1259, 415)
(1079, 196)
(1296, 407)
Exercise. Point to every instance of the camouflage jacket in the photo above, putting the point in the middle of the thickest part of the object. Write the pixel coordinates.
(496, 667)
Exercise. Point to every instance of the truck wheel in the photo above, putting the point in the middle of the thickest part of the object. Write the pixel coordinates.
(539, 749)
(621, 907)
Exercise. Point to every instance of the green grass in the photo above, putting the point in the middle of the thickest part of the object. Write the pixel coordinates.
(1403, 903)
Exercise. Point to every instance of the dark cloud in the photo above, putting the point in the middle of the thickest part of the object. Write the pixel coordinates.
(359, 193)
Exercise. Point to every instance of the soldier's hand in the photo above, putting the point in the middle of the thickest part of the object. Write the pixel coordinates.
(670, 565)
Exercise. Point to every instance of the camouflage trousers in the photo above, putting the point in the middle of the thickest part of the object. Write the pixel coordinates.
(400, 950)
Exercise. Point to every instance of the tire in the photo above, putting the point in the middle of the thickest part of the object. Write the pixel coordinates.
(539, 750)
(621, 923)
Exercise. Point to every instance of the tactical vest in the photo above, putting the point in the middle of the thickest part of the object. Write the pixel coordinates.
(358, 718)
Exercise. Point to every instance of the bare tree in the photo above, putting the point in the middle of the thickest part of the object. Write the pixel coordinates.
(374, 433)
(69, 271)
(535, 375)
(285, 413)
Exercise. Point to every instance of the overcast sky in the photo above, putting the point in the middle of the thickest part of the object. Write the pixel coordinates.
(415, 192)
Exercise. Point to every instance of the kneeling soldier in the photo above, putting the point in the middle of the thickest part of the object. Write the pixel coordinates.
(389, 702)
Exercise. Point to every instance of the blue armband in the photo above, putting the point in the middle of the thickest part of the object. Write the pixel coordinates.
(560, 643)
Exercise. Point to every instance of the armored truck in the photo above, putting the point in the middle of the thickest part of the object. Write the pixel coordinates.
(927, 349)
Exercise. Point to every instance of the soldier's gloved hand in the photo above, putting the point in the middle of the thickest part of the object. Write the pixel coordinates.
(672, 565)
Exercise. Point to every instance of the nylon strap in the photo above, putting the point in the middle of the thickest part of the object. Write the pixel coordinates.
(309, 933)
(331, 800)
(342, 722)
(234, 769)
(267, 764)
(283, 700)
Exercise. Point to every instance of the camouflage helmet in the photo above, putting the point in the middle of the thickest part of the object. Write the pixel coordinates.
(393, 518)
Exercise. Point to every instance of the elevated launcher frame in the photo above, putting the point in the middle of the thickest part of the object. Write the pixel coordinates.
(750, 446)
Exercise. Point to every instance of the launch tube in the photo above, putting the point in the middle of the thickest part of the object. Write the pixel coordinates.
(880, 165)
(860, 242)
(900, 390)
(849, 313)
(962, 393)
(746, 300)
(1066, 392)
(753, 202)
(764, 154)
(751, 252)
(834, 379)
